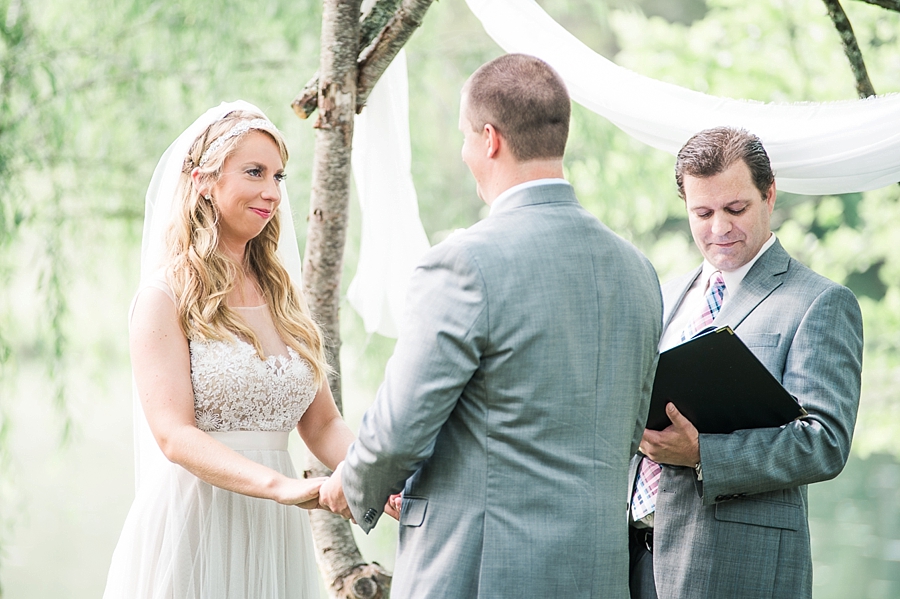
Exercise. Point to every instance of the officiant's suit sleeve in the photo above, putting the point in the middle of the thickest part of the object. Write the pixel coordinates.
(814, 348)
(437, 352)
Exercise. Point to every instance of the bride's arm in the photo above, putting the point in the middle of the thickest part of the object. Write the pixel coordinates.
(324, 431)
(160, 360)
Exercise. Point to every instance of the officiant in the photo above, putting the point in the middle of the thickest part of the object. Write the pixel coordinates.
(725, 515)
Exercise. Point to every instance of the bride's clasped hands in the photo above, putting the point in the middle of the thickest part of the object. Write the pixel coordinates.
(302, 492)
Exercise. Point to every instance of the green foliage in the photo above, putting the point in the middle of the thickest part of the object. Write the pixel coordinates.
(86, 107)
(92, 92)
(780, 51)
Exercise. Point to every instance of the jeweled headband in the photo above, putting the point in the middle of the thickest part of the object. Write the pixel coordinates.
(238, 129)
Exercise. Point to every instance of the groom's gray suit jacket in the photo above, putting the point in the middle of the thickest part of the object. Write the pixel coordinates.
(517, 391)
(743, 531)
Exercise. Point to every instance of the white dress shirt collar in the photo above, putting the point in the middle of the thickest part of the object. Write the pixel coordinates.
(733, 278)
(695, 296)
(527, 184)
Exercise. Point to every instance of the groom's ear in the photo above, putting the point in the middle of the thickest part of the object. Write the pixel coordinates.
(492, 140)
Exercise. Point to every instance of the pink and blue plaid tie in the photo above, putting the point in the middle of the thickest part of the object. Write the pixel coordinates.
(643, 501)
(711, 308)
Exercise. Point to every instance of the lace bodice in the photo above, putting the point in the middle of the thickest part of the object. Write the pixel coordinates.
(236, 391)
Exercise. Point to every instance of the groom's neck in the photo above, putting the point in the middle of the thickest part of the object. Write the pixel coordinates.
(514, 173)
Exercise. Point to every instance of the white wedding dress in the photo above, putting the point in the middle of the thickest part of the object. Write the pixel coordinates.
(186, 539)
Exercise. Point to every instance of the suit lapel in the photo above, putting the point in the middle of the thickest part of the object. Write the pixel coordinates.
(673, 294)
(763, 278)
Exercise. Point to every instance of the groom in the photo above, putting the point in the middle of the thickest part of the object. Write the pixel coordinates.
(520, 384)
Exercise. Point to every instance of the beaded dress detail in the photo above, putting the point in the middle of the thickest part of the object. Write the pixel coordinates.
(236, 391)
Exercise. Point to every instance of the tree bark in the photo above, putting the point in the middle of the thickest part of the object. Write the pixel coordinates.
(343, 39)
(864, 87)
(374, 60)
(886, 4)
(339, 559)
(381, 12)
(375, 51)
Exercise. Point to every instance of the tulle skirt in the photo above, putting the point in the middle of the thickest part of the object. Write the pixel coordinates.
(186, 539)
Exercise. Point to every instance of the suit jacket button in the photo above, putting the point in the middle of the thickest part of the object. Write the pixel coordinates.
(370, 516)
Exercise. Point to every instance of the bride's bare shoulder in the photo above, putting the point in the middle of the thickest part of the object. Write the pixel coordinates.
(153, 310)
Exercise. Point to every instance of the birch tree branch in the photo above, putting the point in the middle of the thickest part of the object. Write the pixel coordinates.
(864, 86)
(374, 21)
(886, 4)
(305, 102)
(375, 59)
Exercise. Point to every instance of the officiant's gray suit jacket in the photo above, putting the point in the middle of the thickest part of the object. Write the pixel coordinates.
(517, 391)
(743, 532)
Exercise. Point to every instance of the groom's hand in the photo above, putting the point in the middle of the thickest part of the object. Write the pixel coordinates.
(331, 495)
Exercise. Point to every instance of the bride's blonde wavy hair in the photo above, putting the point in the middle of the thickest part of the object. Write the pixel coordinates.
(201, 275)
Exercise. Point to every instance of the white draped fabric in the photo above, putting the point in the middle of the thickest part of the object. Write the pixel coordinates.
(815, 148)
(393, 239)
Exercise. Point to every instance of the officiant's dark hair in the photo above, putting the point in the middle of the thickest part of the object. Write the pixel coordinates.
(525, 100)
(713, 151)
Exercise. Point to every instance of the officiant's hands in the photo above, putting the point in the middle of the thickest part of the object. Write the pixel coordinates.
(678, 444)
(331, 495)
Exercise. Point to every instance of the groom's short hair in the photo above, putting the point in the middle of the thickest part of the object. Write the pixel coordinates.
(525, 100)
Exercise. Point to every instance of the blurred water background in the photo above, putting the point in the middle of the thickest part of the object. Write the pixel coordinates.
(94, 90)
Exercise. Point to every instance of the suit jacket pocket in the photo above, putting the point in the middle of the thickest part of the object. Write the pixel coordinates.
(412, 511)
(760, 512)
(760, 339)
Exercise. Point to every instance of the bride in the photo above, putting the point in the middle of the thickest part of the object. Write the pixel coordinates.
(226, 361)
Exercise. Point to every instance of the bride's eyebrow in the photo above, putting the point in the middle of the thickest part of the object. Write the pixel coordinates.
(260, 165)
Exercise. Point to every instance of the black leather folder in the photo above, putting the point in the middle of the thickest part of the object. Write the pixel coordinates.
(720, 386)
